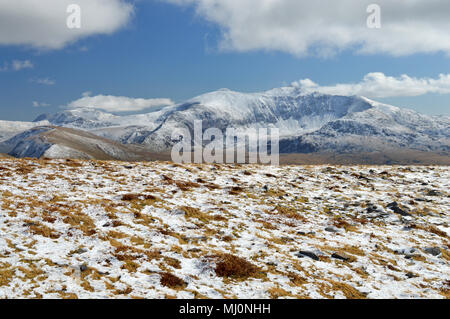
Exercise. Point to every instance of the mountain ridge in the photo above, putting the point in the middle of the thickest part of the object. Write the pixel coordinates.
(308, 122)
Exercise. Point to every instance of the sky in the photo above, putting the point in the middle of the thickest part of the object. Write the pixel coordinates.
(135, 56)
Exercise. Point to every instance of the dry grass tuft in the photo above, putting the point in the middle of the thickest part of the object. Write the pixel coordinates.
(289, 212)
(6, 275)
(191, 212)
(236, 190)
(43, 230)
(172, 281)
(235, 267)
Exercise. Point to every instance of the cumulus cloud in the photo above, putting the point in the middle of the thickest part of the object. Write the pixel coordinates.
(378, 85)
(43, 23)
(117, 103)
(324, 27)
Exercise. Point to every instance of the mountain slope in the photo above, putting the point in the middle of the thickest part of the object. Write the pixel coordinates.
(58, 142)
(10, 128)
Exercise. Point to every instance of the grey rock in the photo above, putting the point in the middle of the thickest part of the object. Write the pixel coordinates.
(411, 275)
(83, 268)
(435, 251)
(309, 254)
(332, 229)
(340, 256)
(433, 193)
(396, 209)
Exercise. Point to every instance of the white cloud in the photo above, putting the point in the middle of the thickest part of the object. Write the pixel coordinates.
(117, 103)
(44, 81)
(16, 65)
(378, 85)
(302, 27)
(40, 104)
(42, 23)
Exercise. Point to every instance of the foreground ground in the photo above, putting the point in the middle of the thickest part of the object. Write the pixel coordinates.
(92, 229)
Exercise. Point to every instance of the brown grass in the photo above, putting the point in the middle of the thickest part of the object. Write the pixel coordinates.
(191, 212)
(236, 190)
(40, 229)
(289, 212)
(235, 267)
(6, 275)
(182, 185)
(347, 290)
(172, 281)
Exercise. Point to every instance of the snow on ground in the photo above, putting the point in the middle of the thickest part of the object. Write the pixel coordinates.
(95, 229)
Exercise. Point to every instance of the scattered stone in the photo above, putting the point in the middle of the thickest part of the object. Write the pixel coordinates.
(396, 209)
(83, 268)
(435, 251)
(372, 209)
(332, 229)
(433, 193)
(81, 251)
(309, 254)
(342, 256)
(405, 251)
(411, 275)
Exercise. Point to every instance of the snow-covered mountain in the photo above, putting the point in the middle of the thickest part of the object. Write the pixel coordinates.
(307, 122)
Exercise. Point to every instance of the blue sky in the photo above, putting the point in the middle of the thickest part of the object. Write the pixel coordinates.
(171, 51)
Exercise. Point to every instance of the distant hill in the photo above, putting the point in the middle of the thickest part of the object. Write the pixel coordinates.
(59, 142)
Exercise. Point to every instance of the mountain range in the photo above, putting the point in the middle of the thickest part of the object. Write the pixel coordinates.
(308, 123)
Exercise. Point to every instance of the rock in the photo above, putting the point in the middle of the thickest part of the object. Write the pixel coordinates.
(411, 275)
(435, 251)
(396, 209)
(83, 268)
(265, 188)
(405, 251)
(332, 229)
(434, 193)
(342, 256)
(309, 254)
(372, 209)
(81, 251)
